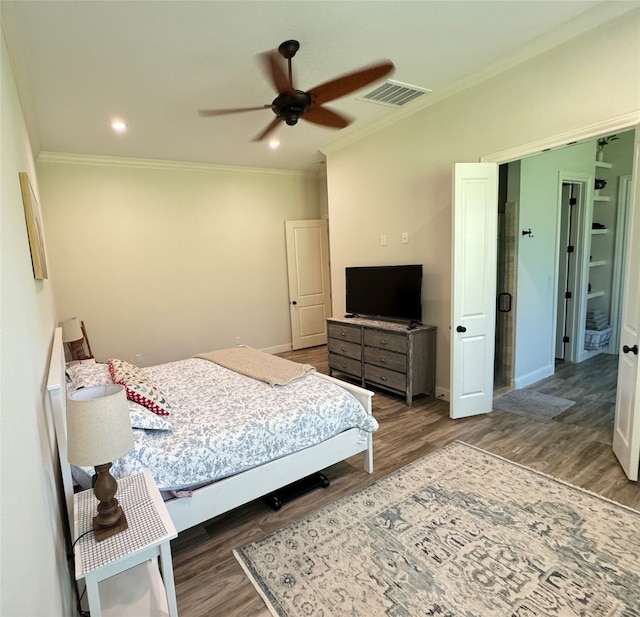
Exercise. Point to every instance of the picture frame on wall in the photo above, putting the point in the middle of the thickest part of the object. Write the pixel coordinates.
(34, 227)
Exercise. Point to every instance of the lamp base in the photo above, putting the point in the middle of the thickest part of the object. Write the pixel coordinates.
(102, 533)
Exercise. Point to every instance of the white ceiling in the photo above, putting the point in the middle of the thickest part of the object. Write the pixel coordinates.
(79, 64)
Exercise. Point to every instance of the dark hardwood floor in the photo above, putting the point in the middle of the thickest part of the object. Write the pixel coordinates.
(575, 447)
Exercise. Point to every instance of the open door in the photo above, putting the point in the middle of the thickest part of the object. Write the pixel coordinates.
(309, 281)
(473, 288)
(626, 429)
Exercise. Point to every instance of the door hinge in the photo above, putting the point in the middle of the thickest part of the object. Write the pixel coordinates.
(565, 339)
(573, 201)
(570, 249)
(567, 294)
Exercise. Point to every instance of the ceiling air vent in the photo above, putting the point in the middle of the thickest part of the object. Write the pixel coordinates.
(393, 94)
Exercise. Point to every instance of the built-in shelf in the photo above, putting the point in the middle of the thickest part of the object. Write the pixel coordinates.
(594, 294)
(599, 262)
(596, 232)
(603, 164)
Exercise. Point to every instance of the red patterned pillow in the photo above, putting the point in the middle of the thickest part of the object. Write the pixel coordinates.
(139, 388)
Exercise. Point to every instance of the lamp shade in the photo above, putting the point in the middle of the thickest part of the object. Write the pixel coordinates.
(71, 330)
(98, 425)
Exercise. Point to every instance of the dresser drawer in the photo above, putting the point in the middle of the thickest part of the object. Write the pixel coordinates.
(344, 333)
(345, 365)
(387, 359)
(385, 377)
(386, 340)
(353, 350)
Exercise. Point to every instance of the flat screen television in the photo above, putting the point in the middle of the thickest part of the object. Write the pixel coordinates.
(391, 292)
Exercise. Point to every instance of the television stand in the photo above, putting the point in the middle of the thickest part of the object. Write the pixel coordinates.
(384, 354)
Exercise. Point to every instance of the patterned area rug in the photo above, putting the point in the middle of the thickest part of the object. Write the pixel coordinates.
(458, 533)
(532, 404)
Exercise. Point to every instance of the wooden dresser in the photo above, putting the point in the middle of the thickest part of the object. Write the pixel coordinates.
(384, 354)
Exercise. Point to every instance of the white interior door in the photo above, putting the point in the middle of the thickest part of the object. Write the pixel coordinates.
(626, 429)
(309, 281)
(473, 302)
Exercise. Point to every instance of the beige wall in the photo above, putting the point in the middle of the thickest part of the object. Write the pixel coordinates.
(34, 581)
(399, 179)
(167, 260)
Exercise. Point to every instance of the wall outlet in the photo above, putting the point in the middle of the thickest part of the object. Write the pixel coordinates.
(442, 394)
(405, 237)
(138, 359)
(237, 341)
(383, 240)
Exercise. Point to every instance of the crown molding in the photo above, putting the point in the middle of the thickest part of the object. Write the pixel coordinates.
(568, 138)
(133, 163)
(596, 17)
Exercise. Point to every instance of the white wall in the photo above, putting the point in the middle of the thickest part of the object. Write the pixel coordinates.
(399, 179)
(538, 256)
(167, 260)
(34, 578)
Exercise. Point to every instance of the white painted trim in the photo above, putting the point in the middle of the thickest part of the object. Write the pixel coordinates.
(278, 348)
(583, 238)
(585, 133)
(625, 185)
(526, 380)
(115, 161)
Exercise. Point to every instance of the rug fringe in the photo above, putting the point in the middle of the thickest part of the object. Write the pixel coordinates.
(256, 586)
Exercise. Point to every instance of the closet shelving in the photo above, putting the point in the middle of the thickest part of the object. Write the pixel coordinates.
(600, 272)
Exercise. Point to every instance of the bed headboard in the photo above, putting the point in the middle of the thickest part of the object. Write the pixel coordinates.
(56, 385)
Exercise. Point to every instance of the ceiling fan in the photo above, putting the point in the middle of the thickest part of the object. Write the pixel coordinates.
(291, 104)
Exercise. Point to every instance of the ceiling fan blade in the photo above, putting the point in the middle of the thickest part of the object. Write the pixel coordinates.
(348, 83)
(205, 113)
(268, 130)
(275, 72)
(326, 117)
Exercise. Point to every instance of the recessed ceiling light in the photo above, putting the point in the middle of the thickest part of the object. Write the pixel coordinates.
(274, 143)
(119, 126)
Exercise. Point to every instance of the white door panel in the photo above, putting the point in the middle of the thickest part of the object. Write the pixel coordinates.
(473, 305)
(309, 281)
(626, 429)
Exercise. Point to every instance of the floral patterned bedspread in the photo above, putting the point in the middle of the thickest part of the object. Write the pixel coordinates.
(223, 423)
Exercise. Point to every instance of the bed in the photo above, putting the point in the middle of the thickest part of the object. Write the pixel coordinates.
(297, 455)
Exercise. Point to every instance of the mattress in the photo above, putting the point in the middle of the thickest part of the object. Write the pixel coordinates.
(222, 423)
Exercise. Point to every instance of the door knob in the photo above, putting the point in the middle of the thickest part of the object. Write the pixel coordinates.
(461, 329)
(293, 302)
(627, 349)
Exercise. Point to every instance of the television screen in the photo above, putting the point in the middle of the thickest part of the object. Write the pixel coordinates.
(394, 292)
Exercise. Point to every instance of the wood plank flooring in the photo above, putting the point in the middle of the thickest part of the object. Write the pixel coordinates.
(575, 447)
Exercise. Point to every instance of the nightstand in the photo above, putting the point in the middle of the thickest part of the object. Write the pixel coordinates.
(121, 573)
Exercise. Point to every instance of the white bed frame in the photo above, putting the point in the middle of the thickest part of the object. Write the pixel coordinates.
(229, 493)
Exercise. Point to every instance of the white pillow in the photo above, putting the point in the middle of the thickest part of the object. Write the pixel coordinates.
(88, 375)
(141, 417)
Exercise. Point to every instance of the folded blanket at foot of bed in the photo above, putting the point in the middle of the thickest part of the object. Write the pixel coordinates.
(257, 364)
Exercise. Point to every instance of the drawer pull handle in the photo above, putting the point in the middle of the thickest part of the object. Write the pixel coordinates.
(383, 342)
(382, 360)
(343, 349)
(343, 365)
(383, 378)
(343, 333)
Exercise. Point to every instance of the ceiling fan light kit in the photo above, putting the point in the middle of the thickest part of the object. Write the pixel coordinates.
(291, 104)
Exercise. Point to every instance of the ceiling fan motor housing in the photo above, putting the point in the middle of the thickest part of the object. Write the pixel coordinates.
(290, 107)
